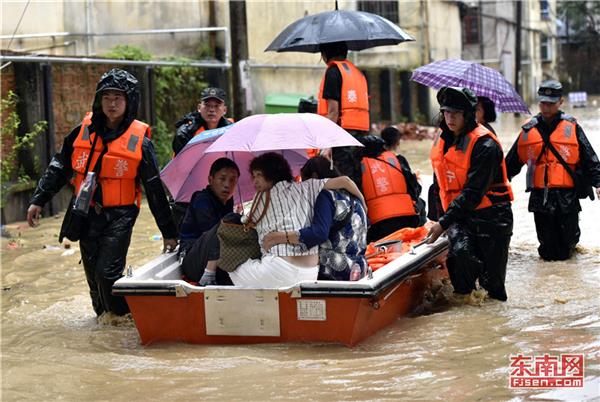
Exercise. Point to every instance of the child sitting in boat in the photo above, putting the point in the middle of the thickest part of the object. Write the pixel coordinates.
(290, 209)
(339, 227)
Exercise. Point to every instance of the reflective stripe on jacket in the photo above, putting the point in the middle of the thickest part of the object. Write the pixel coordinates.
(451, 170)
(564, 140)
(118, 171)
(354, 99)
(384, 188)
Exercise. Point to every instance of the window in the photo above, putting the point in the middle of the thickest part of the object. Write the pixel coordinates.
(546, 48)
(385, 8)
(470, 26)
(544, 10)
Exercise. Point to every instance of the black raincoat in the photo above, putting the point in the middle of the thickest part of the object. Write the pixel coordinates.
(557, 216)
(188, 125)
(479, 238)
(107, 235)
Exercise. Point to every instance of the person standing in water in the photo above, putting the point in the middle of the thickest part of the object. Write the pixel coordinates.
(115, 146)
(475, 195)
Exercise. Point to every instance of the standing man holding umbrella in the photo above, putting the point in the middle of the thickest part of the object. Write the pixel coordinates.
(554, 146)
(344, 99)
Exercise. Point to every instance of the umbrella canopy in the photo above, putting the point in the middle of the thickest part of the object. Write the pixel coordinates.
(188, 171)
(179, 175)
(484, 81)
(360, 30)
(271, 132)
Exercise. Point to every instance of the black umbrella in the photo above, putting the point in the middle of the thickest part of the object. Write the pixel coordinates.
(360, 30)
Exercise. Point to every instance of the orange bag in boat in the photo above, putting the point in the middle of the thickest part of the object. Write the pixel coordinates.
(408, 236)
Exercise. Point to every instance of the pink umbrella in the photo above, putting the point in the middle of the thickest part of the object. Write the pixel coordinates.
(188, 171)
(272, 132)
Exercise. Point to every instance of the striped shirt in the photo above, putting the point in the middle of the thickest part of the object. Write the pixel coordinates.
(291, 208)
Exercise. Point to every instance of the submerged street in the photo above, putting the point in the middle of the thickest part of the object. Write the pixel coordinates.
(53, 348)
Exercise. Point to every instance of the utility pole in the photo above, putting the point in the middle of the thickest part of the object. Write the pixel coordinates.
(518, 17)
(239, 55)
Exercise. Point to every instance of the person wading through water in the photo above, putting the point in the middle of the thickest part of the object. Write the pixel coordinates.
(122, 158)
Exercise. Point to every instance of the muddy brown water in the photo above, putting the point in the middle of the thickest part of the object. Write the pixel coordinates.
(53, 348)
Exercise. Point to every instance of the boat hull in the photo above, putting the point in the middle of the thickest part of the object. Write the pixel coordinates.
(322, 311)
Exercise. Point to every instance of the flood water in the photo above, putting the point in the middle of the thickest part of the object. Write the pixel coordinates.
(53, 348)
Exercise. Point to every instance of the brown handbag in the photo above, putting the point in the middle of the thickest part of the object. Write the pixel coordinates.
(239, 242)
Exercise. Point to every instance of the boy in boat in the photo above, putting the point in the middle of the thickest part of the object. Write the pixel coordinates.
(205, 210)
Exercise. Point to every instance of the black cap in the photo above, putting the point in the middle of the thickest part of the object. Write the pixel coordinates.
(550, 91)
(211, 92)
(456, 98)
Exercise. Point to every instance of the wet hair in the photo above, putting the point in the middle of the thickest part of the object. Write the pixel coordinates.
(223, 163)
(470, 122)
(273, 166)
(391, 135)
(334, 49)
(319, 166)
(489, 109)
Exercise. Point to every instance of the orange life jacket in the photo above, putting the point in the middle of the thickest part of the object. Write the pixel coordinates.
(564, 139)
(201, 129)
(118, 171)
(384, 188)
(354, 98)
(451, 170)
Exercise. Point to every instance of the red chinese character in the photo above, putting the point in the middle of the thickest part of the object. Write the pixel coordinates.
(572, 365)
(522, 365)
(547, 366)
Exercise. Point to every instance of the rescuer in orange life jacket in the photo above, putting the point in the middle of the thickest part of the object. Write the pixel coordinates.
(390, 187)
(554, 198)
(210, 115)
(344, 99)
(474, 194)
(122, 159)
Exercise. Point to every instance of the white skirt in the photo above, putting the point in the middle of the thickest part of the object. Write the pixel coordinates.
(271, 272)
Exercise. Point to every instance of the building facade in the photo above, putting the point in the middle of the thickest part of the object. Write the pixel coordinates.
(483, 31)
(489, 37)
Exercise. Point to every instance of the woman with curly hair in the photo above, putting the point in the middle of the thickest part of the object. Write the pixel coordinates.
(290, 207)
(339, 228)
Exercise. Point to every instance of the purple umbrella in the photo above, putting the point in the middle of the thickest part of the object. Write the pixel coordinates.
(188, 171)
(484, 81)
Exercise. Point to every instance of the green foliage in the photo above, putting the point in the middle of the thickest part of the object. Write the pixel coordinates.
(128, 52)
(583, 18)
(176, 89)
(203, 51)
(162, 137)
(420, 118)
(10, 166)
(177, 93)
